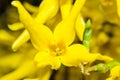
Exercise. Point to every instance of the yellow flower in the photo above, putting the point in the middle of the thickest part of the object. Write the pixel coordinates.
(114, 73)
(56, 47)
(47, 10)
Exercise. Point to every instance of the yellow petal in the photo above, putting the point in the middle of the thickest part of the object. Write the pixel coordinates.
(115, 73)
(43, 74)
(47, 10)
(65, 6)
(64, 31)
(13, 60)
(31, 8)
(109, 79)
(80, 27)
(41, 35)
(75, 54)
(16, 26)
(24, 37)
(21, 72)
(118, 7)
(44, 59)
(31, 79)
(76, 9)
(97, 56)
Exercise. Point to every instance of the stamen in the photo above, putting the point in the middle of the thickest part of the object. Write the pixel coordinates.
(58, 51)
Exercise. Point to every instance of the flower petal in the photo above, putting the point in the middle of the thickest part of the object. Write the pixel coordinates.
(78, 53)
(109, 79)
(31, 8)
(65, 7)
(16, 26)
(97, 56)
(75, 54)
(64, 32)
(118, 6)
(44, 59)
(115, 73)
(47, 10)
(41, 35)
(24, 37)
(80, 27)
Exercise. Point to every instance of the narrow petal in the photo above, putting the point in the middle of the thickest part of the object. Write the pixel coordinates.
(41, 35)
(76, 9)
(47, 10)
(80, 27)
(97, 56)
(16, 26)
(65, 7)
(118, 7)
(31, 79)
(21, 72)
(44, 59)
(23, 38)
(31, 8)
(64, 31)
(74, 55)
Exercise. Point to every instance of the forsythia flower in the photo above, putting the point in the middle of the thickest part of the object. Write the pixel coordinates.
(46, 11)
(56, 47)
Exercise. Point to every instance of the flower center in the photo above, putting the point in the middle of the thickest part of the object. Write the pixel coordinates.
(58, 49)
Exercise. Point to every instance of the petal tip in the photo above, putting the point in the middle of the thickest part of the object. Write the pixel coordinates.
(15, 3)
(14, 48)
